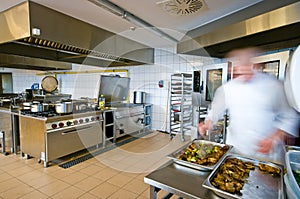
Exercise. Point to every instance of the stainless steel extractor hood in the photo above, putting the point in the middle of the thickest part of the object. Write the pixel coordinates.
(32, 30)
(273, 30)
(29, 63)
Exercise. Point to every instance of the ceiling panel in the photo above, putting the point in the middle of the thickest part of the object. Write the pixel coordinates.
(153, 13)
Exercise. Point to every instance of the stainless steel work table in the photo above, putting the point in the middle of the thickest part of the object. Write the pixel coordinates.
(179, 180)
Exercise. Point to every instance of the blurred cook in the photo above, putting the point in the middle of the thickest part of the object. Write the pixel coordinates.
(259, 114)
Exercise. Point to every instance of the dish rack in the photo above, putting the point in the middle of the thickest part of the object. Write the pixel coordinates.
(181, 104)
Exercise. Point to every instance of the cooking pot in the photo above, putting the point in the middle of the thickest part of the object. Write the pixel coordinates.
(139, 97)
(5, 102)
(35, 108)
(64, 107)
(27, 105)
(45, 107)
(80, 107)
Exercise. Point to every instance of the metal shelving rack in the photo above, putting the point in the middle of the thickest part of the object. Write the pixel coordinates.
(181, 104)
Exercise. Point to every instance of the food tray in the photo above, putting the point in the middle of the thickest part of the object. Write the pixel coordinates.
(181, 150)
(258, 185)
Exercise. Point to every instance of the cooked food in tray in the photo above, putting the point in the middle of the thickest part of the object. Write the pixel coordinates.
(297, 177)
(232, 175)
(203, 153)
(269, 169)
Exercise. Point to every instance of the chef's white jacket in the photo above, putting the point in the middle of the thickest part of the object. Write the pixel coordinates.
(256, 108)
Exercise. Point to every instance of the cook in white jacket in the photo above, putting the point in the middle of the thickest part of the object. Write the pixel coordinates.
(259, 114)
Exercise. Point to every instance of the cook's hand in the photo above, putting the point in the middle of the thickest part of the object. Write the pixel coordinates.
(265, 145)
(203, 127)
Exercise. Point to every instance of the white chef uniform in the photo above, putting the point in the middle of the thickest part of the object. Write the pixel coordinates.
(256, 108)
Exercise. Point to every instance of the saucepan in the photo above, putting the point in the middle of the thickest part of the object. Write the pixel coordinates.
(64, 107)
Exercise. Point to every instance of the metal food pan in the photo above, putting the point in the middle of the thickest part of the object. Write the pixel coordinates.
(181, 150)
(258, 185)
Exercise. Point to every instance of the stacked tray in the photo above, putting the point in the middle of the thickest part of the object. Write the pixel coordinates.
(175, 155)
(258, 185)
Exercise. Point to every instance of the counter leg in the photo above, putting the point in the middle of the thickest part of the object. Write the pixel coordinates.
(153, 192)
(2, 137)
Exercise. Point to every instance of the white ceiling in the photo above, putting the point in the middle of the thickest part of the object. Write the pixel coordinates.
(147, 10)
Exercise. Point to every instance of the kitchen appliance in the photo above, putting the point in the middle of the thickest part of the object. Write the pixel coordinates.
(139, 97)
(114, 88)
(129, 118)
(292, 79)
(30, 29)
(64, 107)
(278, 29)
(48, 135)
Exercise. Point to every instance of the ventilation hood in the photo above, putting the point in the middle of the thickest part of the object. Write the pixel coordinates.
(273, 30)
(32, 30)
(29, 63)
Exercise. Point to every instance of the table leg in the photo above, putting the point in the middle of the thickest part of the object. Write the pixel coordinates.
(153, 192)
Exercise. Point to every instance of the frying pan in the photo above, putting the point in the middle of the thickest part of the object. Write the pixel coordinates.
(49, 84)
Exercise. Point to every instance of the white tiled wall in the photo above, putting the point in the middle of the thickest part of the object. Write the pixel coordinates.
(143, 78)
(23, 79)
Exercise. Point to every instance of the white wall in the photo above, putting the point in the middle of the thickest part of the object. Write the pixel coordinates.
(23, 79)
(143, 78)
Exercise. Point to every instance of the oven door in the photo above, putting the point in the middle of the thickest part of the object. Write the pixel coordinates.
(65, 141)
(273, 64)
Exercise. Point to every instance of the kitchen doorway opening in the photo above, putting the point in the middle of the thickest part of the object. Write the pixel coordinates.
(6, 83)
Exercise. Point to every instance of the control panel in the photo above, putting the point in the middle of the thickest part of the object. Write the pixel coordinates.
(73, 122)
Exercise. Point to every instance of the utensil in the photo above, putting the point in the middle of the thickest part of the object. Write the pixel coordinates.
(139, 97)
(258, 184)
(36, 108)
(181, 150)
(64, 107)
(49, 83)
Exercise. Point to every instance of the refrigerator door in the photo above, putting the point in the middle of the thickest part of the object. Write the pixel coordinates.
(292, 79)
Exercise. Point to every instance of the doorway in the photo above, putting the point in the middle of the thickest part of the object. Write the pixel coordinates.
(6, 83)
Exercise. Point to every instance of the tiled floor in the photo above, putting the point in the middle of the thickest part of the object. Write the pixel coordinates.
(118, 173)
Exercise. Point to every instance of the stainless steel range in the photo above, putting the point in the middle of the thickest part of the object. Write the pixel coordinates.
(129, 118)
(48, 136)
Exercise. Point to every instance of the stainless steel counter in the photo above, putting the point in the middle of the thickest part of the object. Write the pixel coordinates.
(181, 181)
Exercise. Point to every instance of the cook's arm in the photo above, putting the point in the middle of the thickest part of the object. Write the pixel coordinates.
(217, 110)
(286, 122)
(287, 119)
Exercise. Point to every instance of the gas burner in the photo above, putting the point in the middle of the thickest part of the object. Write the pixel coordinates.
(40, 114)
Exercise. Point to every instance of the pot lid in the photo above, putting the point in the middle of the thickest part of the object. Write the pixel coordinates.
(292, 80)
(49, 83)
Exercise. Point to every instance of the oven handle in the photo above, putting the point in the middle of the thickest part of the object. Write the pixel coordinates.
(75, 130)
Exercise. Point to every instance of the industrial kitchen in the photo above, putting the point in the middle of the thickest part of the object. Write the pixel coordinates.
(154, 99)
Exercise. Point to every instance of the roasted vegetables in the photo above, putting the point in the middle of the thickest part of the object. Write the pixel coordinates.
(269, 169)
(232, 175)
(203, 154)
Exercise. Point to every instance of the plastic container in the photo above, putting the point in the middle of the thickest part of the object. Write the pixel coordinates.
(292, 159)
